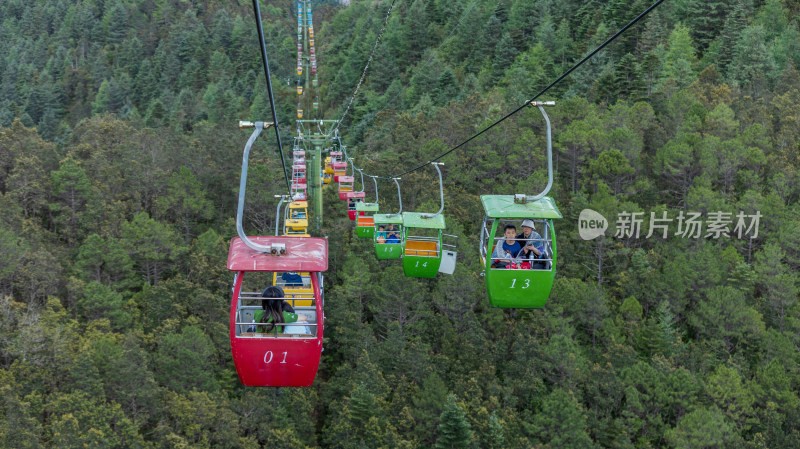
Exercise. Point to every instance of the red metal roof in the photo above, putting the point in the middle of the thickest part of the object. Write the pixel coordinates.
(302, 254)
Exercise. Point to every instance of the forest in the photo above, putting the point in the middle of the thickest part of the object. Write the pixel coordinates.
(119, 171)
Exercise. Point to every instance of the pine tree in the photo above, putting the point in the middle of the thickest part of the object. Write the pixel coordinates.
(454, 429)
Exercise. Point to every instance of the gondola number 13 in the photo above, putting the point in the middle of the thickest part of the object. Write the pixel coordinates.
(527, 283)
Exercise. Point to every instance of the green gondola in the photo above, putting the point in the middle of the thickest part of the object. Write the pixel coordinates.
(517, 281)
(422, 244)
(388, 234)
(528, 287)
(365, 226)
(423, 250)
(384, 246)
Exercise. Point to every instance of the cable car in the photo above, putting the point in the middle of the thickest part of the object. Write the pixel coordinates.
(290, 358)
(345, 186)
(353, 198)
(298, 192)
(365, 226)
(326, 178)
(296, 286)
(336, 156)
(276, 359)
(339, 170)
(384, 248)
(523, 283)
(296, 220)
(328, 167)
(385, 245)
(423, 247)
(299, 111)
(314, 82)
(299, 173)
(299, 90)
(315, 106)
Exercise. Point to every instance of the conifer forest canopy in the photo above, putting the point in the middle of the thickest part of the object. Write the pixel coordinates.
(120, 158)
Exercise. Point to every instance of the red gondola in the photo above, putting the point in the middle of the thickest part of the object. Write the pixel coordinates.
(345, 186)
(276, 359)
(339, 170)
(353, 198)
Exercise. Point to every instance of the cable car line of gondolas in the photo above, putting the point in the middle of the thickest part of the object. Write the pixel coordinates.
(276, 333)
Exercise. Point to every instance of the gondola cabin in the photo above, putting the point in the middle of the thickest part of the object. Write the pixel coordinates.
(517, 282)
(345, 186)
(296, 220)
(287, 356)
(299, 191)
(295, 285)
(328, 167)
(365, 226)
(340, 171)
(422, 244)
(299, 173)
(388, 235)
(353, 198)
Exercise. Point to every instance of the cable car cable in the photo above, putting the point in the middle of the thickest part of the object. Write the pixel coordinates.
(269, 89)
(578, 64)
(364, 72)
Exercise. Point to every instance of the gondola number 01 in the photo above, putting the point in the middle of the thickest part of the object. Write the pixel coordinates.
(527, 283)
(268, 357)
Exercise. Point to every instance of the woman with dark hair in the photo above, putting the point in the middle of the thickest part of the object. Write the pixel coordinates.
(275, 311)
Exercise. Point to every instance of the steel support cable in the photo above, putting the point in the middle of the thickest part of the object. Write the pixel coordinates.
(466, 12)
(541, 92)
(269, 89)
(366, 67)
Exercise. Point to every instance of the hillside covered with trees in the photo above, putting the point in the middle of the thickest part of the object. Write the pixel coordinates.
(119, 170)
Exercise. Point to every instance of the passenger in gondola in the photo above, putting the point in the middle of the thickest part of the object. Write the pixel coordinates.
(532, 245)
(507, 250)
(292, 279)
(380, 237)
(274, 312)
(392, 237)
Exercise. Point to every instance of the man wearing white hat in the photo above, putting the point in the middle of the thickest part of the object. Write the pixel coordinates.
(531, 247)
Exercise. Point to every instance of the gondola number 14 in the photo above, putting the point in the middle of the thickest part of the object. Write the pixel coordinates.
(527, 283)
(268, 357)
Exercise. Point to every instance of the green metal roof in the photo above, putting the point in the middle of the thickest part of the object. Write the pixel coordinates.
(386, 219)
(367, 207)
(503, 206)
(416, 220)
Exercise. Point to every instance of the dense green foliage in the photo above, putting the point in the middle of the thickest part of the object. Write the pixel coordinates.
(119, 163)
